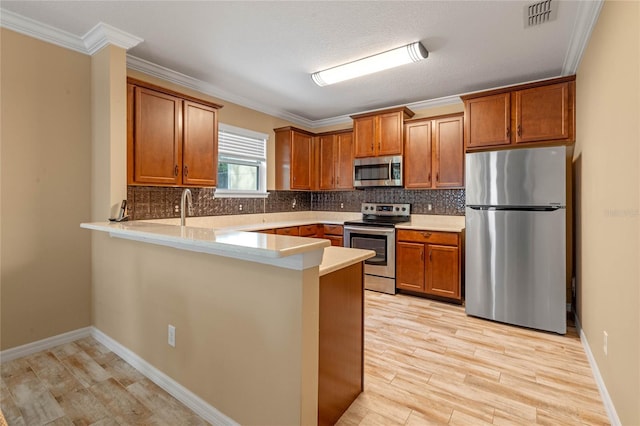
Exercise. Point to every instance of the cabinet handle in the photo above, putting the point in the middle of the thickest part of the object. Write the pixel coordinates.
(430, 251)
(508, 132)
(185, 171)
(379, 146)
(438, 177)
(422, 255)
(175, 170)
(371, 146)
(338, 180)
(426, 234)
(519, 130)
(429, 177)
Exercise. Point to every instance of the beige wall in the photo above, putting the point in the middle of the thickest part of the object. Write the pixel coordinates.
(109, 131)
(45, 187)
(246, 333)
(607, 160)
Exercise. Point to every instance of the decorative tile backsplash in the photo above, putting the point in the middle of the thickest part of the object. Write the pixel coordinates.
(148, 202)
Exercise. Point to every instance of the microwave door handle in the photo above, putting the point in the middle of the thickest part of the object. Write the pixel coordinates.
(390, 176)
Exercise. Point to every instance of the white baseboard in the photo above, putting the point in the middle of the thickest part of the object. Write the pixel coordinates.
(606, 398)
(179, 392)
(175, 389)
(44, 344)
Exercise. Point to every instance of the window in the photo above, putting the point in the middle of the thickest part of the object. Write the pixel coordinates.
(242, 162)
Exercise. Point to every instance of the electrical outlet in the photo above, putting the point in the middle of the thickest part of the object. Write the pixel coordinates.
(429, 207)
(605, 342)
(342, 205)
(172, 336)
(240, 207)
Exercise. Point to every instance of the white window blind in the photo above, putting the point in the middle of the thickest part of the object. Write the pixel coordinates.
(240, 143)
(242, 162)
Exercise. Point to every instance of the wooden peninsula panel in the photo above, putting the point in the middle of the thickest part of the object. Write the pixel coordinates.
(341, 342)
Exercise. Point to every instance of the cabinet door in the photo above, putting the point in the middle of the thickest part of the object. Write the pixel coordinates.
(443, 278)
(157, 138)
(417, 155)
(488, 121)
(389, 135)
(300, 161)
(344, 161)
(542, 113)
(410, 266)
(327, 176)
(448, 153)
(364, 132)
(200, 146)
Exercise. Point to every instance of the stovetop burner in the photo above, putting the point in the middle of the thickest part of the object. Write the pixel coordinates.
(382, 215)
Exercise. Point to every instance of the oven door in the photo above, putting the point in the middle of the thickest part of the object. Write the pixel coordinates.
(380, 240)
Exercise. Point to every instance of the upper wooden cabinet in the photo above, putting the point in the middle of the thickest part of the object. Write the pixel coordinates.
(172, 139)
(540, 112)
(293, 158)
(335, 160)
(434, 152)
(379, 133)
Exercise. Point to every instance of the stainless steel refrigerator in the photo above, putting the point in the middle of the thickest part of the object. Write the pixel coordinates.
(515, 267)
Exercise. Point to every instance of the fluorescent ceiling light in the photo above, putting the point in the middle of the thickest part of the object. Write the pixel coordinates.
(413, 52)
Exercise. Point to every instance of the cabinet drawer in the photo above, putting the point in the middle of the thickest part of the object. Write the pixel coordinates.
(308, 230)
(335, 240)
(292, 230)
(448, 238)
(333, 230)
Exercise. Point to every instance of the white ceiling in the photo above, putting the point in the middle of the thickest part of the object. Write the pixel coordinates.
(260, 54)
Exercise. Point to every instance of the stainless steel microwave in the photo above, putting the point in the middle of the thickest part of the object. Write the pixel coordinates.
(377, 171)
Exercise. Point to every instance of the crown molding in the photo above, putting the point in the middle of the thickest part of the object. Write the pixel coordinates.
(36, 29)
(588, 12)
(95, 39)
(172, 76)
(103, 34)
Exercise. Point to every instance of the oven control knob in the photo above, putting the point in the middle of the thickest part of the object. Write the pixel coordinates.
(404, 209)
(397, 208)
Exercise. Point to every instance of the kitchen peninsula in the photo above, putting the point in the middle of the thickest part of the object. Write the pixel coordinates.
(254, 314)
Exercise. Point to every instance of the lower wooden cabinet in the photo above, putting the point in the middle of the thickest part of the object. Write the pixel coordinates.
(312, 231)
(334, 234)
(430, 263)
(291, 230)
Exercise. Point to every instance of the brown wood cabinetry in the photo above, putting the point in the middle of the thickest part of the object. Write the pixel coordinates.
(434, 152)
(429, 263)
(293, 158)
(334, 233)
(340, 342)
(379, 133)
(335, 160)
(313, 231)
(172, 139)
(540, 112)
(291, 230)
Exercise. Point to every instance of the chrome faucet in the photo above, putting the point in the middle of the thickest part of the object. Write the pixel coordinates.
(186, 196)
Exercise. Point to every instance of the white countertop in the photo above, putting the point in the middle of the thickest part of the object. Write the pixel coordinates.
(256, 222)
(279, 250)
(230, 236)
(335, 258)
(425, 222)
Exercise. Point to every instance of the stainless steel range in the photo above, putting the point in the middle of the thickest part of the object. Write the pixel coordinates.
(377, 231)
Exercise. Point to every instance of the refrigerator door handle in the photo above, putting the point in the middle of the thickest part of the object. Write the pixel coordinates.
(516, 208)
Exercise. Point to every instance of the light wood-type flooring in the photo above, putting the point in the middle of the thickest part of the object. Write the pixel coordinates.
(84, 383)
(426, 363)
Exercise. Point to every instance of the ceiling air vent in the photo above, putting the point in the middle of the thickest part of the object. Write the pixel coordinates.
(539, 13)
